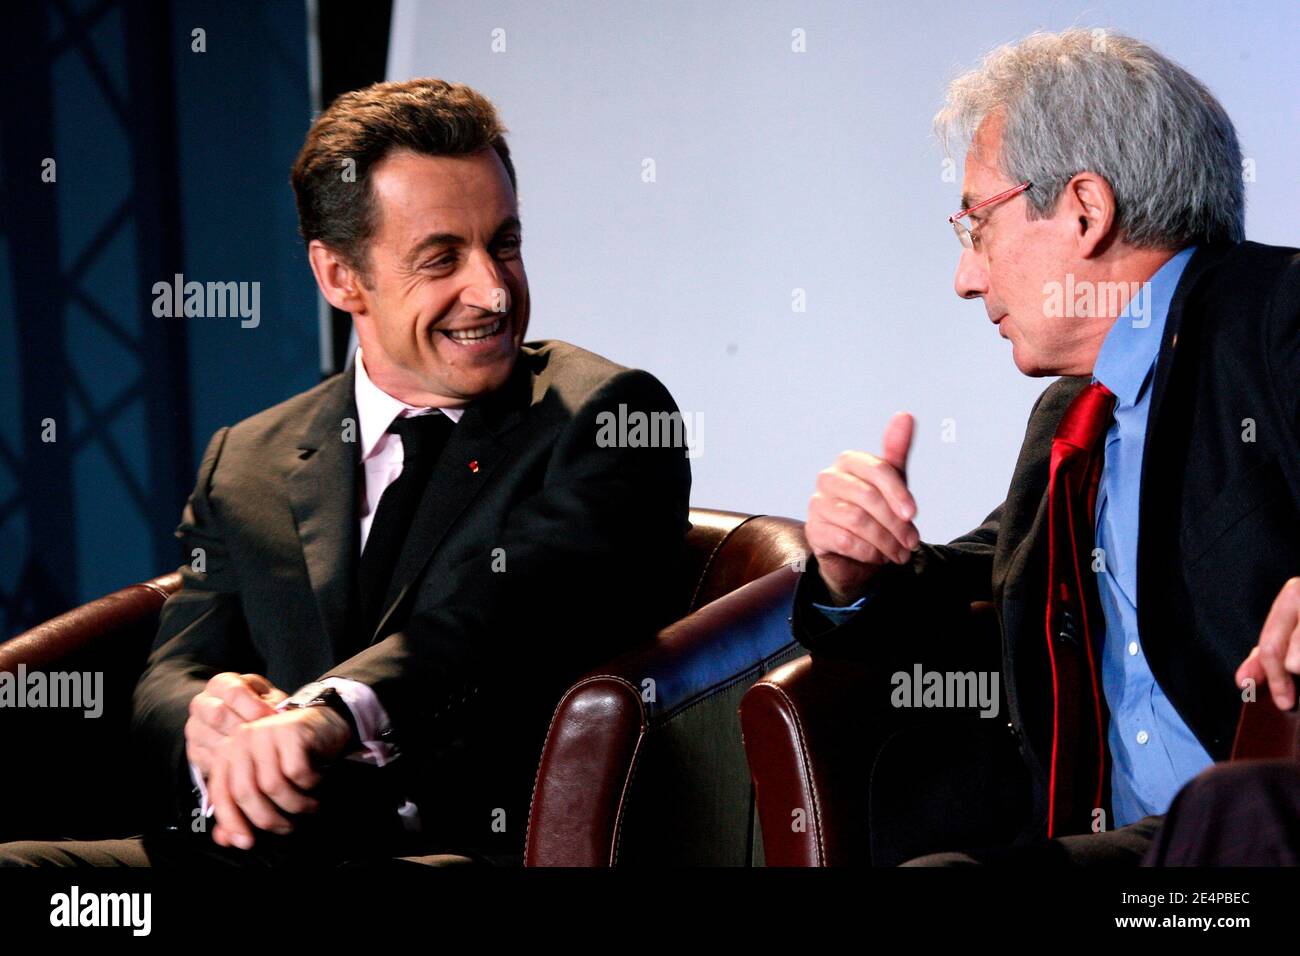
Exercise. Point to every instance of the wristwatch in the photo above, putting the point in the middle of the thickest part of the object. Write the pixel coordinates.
(317, 694)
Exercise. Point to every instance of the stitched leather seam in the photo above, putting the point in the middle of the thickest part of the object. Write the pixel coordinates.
(161, 592)
(618, 816)
(803, 765)
(708, 564)
(624, 797)
(532, 797)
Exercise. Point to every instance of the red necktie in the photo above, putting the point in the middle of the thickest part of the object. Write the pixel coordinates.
(1078, 770)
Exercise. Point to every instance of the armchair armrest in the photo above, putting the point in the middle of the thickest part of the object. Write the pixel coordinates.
(68, 770)
(1266, 733)
(643, 760)
(804, 731)
(816, 744)
(129, 615)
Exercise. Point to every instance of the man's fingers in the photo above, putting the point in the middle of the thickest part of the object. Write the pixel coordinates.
(240, 698)
(882, 547)
(295, 764)
(1250, 669)
(202, 735)
(1292, 659)
(213, 712)
(1283, 621)
(1279, 681)
(232, 827)
(843, 528)
(898, 441)
(259, 684)
(882, 476)
(833, 484)
(827, 539)
(270, 776)
(244, 789)
(200, 756)
(263, 688)
(1275, 641)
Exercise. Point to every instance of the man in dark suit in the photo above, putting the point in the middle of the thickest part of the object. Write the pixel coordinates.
(1143, 565)
(426, 548)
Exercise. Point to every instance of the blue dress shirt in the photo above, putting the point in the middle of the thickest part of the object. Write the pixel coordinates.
(1153, 753)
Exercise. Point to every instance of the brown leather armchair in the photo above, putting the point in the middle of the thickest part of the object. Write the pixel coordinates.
(70, 775)
(643, 762)
(803, 731)
(631, 772)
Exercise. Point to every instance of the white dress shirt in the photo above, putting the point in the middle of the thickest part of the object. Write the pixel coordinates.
(381, 459)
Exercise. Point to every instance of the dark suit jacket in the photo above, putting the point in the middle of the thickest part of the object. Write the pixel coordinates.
(544, 557)
(1219, 531)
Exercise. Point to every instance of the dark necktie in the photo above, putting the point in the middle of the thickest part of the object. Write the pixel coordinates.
(1078, 768)
(423, 437)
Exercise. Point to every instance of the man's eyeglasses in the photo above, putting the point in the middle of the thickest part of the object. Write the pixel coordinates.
(959, 227)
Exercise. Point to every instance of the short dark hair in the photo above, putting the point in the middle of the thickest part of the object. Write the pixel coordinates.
(425, 115)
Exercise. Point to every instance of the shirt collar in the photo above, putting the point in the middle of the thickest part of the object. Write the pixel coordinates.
(376, 409)
(1129, 351)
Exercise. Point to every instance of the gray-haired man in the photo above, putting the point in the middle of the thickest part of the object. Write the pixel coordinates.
(1144, 561)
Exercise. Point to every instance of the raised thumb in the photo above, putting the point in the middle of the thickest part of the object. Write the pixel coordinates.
(898, 440)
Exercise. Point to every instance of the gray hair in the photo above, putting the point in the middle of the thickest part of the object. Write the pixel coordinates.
(1106, 103)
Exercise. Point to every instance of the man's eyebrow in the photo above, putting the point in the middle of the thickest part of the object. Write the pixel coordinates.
(433, 240)
(510, 222)
(967, 200)
(436, 239)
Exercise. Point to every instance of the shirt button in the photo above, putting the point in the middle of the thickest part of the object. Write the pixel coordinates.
(1132, 648)
(1143, 736)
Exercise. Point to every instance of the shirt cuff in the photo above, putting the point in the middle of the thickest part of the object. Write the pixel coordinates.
(838, 615)
(373, 725)
(202, 788)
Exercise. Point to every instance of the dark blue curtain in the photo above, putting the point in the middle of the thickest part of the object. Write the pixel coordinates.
(138, 141)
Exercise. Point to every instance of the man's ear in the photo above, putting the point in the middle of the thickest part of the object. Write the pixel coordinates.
(339, 282)
(1090, 203)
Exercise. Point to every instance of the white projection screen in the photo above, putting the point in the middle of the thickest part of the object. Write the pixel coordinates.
(788, 273)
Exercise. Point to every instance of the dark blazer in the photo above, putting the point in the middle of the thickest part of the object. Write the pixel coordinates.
(1218, 537)
(535, 554)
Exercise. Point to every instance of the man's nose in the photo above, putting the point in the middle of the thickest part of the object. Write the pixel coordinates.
(972, 279)
(486, 286)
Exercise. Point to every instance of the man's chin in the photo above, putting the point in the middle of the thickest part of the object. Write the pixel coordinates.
(1026, 364)
(477, 382)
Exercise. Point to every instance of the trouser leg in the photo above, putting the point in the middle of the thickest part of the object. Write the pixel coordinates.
(1245, 813)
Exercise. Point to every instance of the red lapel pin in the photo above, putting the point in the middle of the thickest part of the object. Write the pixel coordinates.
(473, 466)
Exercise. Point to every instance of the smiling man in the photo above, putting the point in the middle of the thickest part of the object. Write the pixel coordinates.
(396, 574)
(1144, 563)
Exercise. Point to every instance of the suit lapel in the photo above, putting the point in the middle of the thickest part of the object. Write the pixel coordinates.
(480, 442)
(1025, 516)
(322, 494)
(1020, 567)
(1167, 425)
(1196, 268)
